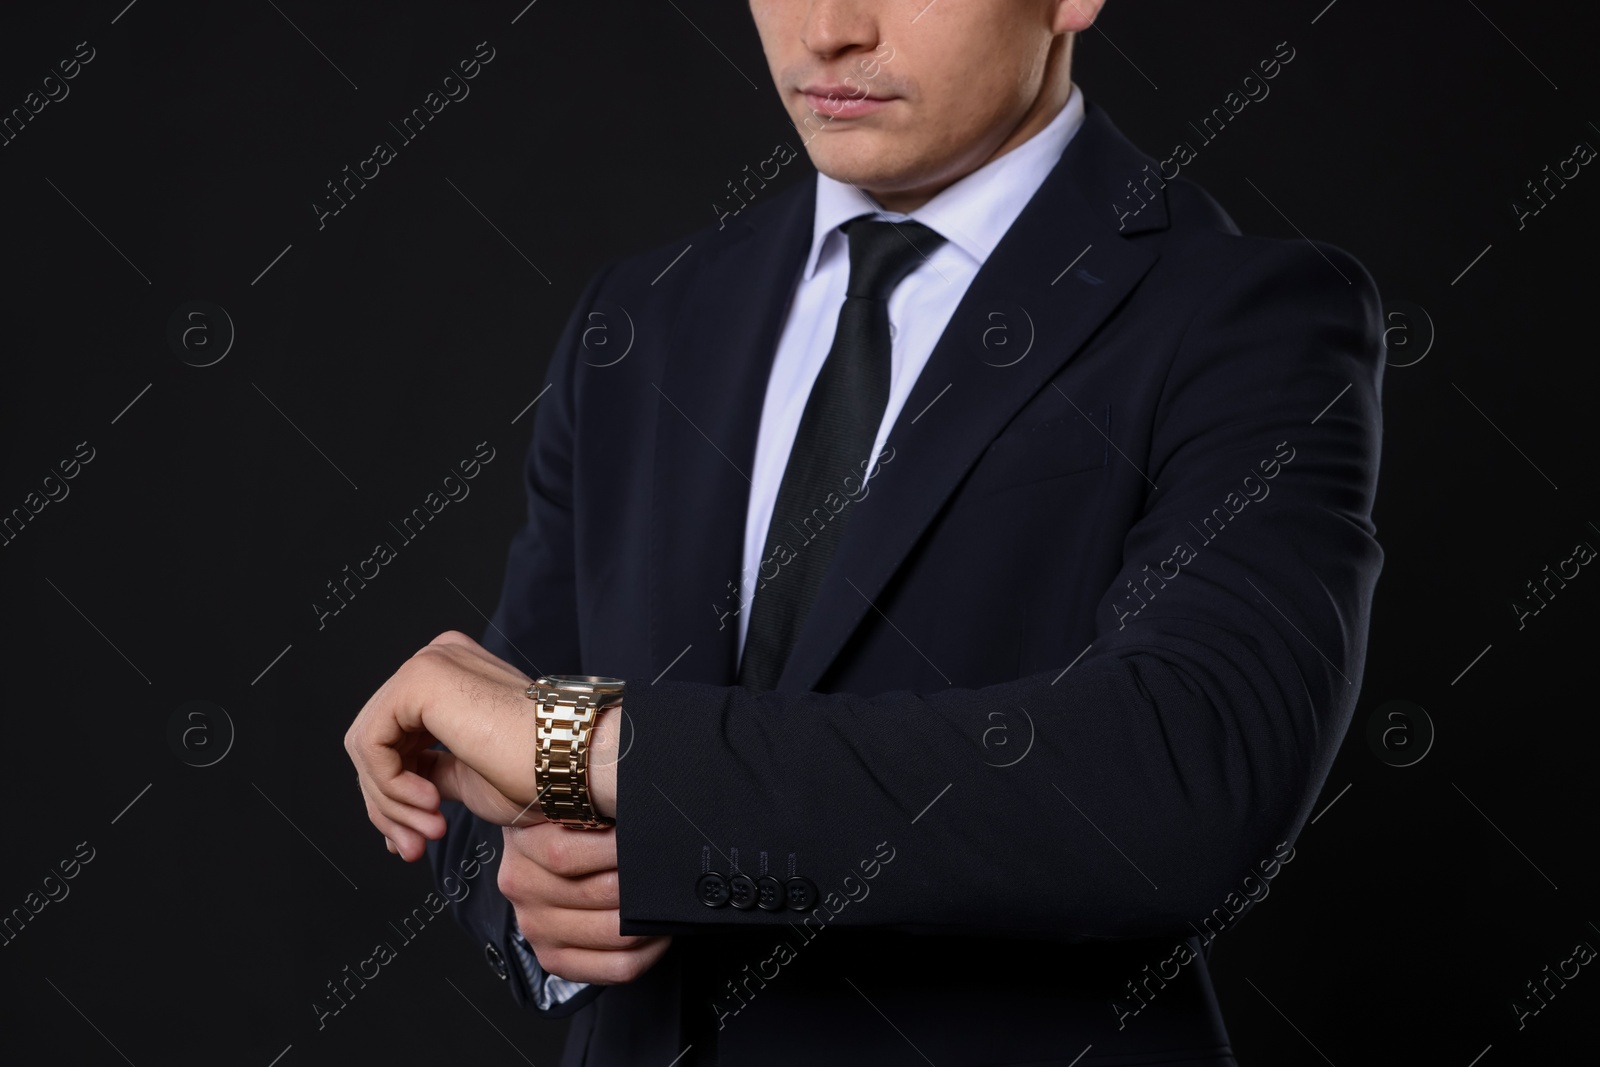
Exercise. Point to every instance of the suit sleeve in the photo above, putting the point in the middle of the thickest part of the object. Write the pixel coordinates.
(535, 626)
(1168, 764)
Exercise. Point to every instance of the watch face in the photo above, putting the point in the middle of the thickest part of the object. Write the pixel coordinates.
(582, 683)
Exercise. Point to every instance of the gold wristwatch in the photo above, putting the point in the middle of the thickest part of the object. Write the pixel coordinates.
(566, 708)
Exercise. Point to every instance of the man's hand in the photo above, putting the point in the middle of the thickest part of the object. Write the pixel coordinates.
(456, 692)
(563, 885)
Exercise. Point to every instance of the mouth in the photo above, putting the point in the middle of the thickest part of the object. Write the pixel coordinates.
(843, 101)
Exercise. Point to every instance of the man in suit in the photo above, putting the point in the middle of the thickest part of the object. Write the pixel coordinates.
(982, 532)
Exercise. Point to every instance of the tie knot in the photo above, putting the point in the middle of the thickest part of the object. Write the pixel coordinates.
(883, 253)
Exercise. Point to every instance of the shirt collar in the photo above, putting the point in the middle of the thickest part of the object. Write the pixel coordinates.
(972, 213)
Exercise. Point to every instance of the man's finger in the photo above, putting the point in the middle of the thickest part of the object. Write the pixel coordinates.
(445, 772)
(411, 788)
(456, 780)
(566, 852)
(603, 968)
(533, 886)
(430, 824)
(583, 928)
(403, 840)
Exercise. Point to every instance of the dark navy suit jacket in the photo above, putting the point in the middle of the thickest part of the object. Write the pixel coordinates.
(1072, 683)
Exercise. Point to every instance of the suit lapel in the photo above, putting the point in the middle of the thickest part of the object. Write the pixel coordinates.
(972, 386)
(711, 391)
(1058, 273)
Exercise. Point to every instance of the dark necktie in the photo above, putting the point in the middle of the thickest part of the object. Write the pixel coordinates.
(833, 442)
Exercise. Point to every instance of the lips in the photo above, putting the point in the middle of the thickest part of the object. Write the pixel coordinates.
(843, 92)
(843, 102)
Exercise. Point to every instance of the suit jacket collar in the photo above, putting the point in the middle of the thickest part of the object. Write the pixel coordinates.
(1059, 271)
(973, 214)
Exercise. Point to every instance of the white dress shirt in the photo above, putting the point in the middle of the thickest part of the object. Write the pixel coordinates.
(972, 215)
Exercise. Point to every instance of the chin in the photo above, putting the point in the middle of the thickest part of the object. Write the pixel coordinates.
(859, 162)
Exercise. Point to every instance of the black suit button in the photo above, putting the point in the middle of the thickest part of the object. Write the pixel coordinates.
(497, 962)
(741, 892)
(712, 889)
(769, 894)
(801, 893)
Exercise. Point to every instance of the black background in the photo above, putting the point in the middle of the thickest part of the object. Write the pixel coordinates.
(412, 327)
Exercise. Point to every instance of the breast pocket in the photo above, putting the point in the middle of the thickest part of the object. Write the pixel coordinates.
(1060, 445)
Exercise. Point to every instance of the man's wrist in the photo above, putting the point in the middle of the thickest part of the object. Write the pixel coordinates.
(571, 748)
(603, 756)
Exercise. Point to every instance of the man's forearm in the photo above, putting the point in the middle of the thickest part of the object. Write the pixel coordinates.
(603, 748)
(1185, 745)
(1131, 816)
